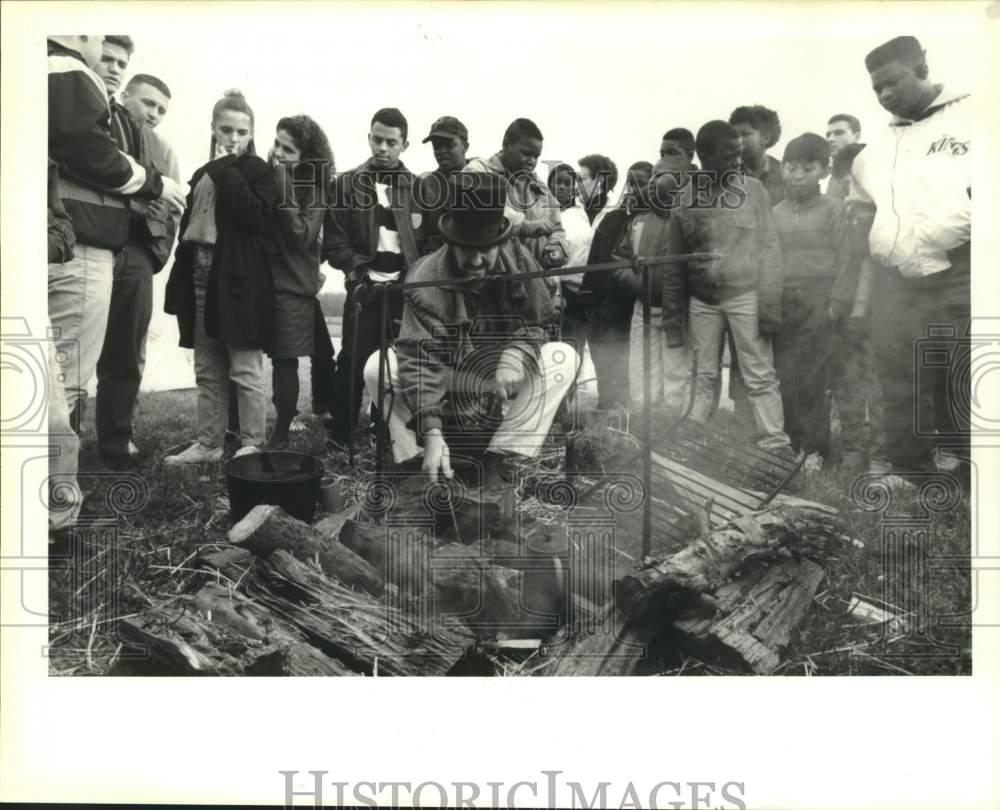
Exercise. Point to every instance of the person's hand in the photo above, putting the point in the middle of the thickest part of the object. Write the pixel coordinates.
(510, 373)
(158, 210)
(436, 455)
(554, 256)
(531, 229)
(174, 194)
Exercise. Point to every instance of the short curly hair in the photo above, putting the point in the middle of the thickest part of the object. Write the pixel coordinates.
(311, 140)
(603, 168)
(762, 119)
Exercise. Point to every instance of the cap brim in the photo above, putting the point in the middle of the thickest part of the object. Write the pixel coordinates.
(446, 226)
(439, 134)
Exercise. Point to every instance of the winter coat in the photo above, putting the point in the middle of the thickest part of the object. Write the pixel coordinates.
(452, 336)
(918, 177)
(95, 177)
(239, 306)
(350, 231)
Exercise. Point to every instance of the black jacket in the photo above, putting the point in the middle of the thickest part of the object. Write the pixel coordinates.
(240, 303)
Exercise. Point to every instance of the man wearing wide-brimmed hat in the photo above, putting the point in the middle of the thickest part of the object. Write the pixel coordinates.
(465, 345)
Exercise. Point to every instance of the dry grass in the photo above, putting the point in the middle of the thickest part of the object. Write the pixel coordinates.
(150, 561)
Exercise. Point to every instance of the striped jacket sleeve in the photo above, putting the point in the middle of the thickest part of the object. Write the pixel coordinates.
(80, 137)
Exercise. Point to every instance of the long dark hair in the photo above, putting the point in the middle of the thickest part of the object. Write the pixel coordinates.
(313, 146)
(233, 100)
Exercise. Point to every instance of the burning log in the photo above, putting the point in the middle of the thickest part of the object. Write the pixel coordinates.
(701, 567)
(366, 634)
(268, 528)
(751, 619)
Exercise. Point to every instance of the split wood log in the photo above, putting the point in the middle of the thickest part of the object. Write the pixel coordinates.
(368, 635)
(216, 631)
(711, 559)
(753, 617)
(268, 528)
(611, 646)
(399, 554)
(298, 660)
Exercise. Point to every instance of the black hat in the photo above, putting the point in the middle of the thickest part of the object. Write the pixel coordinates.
(447, 126)
(475, 218)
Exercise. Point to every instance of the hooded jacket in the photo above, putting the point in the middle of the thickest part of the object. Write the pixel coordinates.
(528, 200)
(95, 177)
(452, 334)
(917, 174)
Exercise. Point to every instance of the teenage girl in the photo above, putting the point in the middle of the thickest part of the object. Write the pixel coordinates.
(220, 285)
(303, 164)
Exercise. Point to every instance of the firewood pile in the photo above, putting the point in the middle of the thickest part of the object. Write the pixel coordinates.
(421, 579)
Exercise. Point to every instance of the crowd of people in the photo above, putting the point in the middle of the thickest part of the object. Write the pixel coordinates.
(818, 274)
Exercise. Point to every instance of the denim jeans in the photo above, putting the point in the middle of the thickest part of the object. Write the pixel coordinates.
(706, 323)
(79, 297)
(65, 497)
(527, 418)
(216, 363)
(670, 367)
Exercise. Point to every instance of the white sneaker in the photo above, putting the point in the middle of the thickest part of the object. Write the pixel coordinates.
(945, 460)
(297, 426)
(133, 451)
(197, 453)
(813, 464)
(247, 450)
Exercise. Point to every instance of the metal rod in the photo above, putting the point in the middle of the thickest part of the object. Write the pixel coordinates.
(352, 413)
(383, 356)
(557, 271)
(647, 408)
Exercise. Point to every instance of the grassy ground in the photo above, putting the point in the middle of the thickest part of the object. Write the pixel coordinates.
(188, 508)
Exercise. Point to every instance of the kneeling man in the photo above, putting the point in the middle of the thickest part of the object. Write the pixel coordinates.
(472, 368)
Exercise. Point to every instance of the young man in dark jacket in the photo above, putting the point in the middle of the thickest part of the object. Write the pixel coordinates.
(96, 181)
(615, 297)
(729, 213)
(151, 237)
(374, 233)
(462, 344)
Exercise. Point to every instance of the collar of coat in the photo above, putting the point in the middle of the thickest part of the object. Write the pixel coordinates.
(945, 96)
(441, 267)
(494, 164)
(368, 169)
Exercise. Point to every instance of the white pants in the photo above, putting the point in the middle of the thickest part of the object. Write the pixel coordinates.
(527, 417)
(670, 377)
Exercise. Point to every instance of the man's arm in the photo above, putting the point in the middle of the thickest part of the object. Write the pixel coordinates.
(337, 249)
(674, 301)
(80, 139)
(848, 265)
(421, 350)
(770, 270)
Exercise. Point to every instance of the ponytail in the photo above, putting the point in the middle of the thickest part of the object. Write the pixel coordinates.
(233, 100)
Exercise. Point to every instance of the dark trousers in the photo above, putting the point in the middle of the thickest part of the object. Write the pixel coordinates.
(123, 356)
(361, 337)
(322, 367)
(919, 328)
(609, 349)
(857, 390)
(804, 352)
